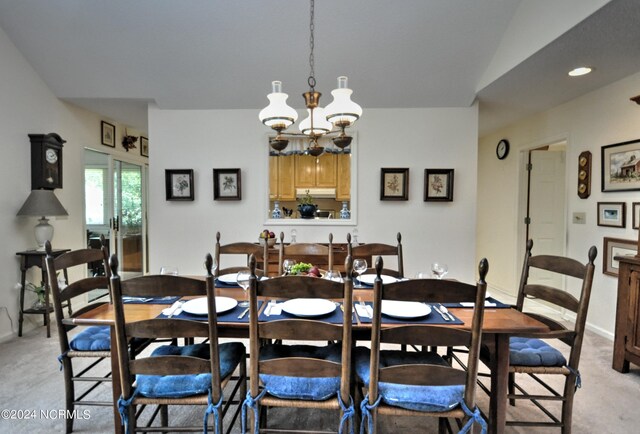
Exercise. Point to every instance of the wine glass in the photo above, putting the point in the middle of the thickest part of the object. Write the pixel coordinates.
(243, 280)
(334, 275)
(288, 264)
(359, 266)
(439, 269)
(172, 271)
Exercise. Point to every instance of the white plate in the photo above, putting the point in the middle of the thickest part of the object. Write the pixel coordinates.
(368, 279)
(308, 307)
(198, 306)
(229, 279)
(232, 279)
(405, 309)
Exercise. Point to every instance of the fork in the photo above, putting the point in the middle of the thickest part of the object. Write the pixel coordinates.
(446, 311)
(441, 312)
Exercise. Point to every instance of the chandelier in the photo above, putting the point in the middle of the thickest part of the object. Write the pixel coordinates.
(331, 120)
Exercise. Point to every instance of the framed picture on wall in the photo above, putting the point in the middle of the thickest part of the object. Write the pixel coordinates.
(227, 184)
(108, 134)
(612, 214)
(179, 184)
(635, 211)
(394, 184)
(616, 247)
(621, 166)
(144, 146)
(438, 185)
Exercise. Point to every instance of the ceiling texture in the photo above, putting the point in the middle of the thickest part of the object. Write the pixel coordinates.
(114, 57)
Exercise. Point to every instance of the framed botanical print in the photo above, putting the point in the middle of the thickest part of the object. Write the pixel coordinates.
(612, 214)
(394, 184)
(179, 184)
(621, 166)
(144, 146)
(438, 185)
(227, 184)
(635, 210)
(108, 134)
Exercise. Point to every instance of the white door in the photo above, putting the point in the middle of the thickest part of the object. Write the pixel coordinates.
(547, 197)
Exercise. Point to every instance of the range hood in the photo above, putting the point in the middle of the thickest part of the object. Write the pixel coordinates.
(317, 193)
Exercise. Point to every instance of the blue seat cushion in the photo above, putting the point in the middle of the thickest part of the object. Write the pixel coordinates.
(307, 388)
(410, 397)
(95, 338)
(179, 386)
(534, 352)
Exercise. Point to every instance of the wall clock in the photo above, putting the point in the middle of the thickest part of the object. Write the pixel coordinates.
(46, 161)
(502, 150)
(584, 175)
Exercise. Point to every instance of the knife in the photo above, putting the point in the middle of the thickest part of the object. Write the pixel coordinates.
(244, 312)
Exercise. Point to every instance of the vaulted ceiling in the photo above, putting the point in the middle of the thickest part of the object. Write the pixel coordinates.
(113, 57)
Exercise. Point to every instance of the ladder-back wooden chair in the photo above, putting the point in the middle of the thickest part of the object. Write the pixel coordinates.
(240, 248)
(91, 345)
(320, 255)
(299, 375)
(372, 250)
(532, 356)
(175, 375)
(421, 383)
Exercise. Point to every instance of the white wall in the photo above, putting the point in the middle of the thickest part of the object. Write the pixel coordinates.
(602, 117)
(27, 106)
(181, 233)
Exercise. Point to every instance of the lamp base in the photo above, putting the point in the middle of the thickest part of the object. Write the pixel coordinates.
(43, 232)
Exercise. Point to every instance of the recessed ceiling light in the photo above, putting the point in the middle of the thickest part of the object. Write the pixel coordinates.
(583, 70)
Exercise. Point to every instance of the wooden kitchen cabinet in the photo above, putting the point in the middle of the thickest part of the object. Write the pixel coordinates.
(626, 344)
(343, 181)
(305, 171)
(281, 175)
(313, 172)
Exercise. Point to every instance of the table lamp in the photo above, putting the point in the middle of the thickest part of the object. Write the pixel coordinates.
(42, 203)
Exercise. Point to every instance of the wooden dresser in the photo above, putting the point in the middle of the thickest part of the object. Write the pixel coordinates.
(626, 346)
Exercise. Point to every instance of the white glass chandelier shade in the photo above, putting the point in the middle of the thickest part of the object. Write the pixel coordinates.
(342, 110)
(320, 123)
(278, 114)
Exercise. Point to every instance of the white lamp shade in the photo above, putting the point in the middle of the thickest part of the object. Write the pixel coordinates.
(342, 109)
(320, 123)
(278, 112)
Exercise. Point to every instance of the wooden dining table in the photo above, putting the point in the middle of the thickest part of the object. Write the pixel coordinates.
(498, 325)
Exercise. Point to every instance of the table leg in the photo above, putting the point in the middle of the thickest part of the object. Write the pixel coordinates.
(115, 384)
(23, 281)
(499, 348)
(47, 290)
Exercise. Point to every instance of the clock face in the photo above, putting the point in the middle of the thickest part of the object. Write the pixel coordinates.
(502, 150)
(51, 155)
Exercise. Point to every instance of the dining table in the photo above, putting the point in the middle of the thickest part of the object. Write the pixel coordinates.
(498, 325)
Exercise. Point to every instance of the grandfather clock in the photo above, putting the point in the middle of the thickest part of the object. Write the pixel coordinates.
(46, 161)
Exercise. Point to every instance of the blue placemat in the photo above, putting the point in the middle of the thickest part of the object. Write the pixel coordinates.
(498, 304)
(229, 316)
(150, 300)
(432, 318)
(221, 284)
(334, 317)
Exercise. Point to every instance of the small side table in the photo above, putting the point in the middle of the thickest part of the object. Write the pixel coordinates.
(36, 258)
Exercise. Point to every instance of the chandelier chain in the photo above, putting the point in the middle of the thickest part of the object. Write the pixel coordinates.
(312, 79)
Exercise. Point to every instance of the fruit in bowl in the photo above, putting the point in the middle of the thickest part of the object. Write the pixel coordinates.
(305, 269)
(268, 237)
